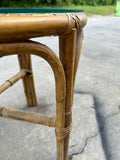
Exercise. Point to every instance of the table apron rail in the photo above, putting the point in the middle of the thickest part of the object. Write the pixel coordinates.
(25, 27)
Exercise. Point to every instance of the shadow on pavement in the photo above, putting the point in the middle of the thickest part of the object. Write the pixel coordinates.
(100, 120)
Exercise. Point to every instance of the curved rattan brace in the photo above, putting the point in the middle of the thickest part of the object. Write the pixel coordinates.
(29, 47)
(46, 53)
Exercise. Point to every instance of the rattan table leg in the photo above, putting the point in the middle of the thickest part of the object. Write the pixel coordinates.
(79, 42)
(67, 45)
(28, 82)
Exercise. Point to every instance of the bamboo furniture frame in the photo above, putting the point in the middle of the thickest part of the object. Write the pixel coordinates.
(15, 32)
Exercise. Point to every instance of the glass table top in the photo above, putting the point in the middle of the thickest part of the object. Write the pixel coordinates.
(39, 10)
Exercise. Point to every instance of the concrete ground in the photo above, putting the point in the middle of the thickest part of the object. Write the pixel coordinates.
(96, 109)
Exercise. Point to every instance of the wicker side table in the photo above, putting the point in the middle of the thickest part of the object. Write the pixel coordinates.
(17, 26)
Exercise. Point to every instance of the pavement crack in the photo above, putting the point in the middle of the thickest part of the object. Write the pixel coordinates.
(84, 146)
(96, 134)
(93, 136)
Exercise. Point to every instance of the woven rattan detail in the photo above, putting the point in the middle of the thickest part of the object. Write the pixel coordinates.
(62, 133)
(77, 20)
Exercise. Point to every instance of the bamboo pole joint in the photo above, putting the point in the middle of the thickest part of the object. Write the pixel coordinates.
(14, 79)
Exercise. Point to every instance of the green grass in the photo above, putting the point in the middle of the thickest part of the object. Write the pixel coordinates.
(89, 10)
(100, 10)
(97, 10)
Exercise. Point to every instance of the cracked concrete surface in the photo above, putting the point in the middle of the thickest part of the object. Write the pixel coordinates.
(96, 109)
(85, 125)
(93, 142)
